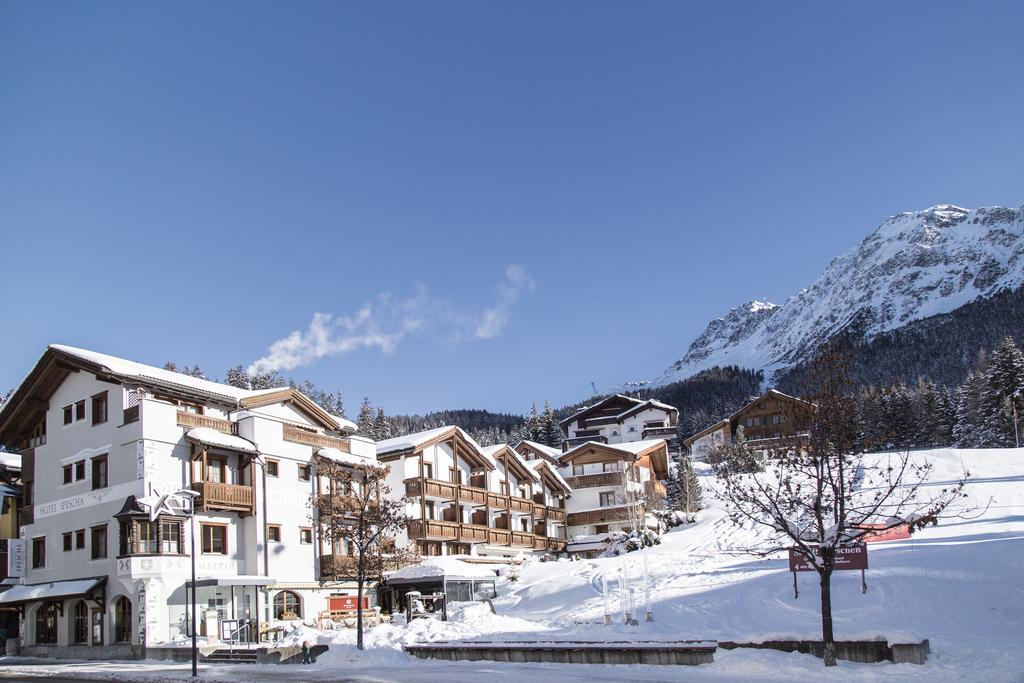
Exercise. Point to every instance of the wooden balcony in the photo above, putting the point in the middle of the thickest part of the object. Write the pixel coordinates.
(433, 529)
(308, 438)
(472, 494)
(611, 514)
(129, 415)
(499, 537)
(335, 567)
(520, 504)
(556, 514)
(539, 510)
(654, 489)
(497, 501)
(522, 538)
(226, 497)
(473, 533)
(583, 481)
(540, 543)
(431, 488)
(189, 420)
(659, 433)
(27, 514)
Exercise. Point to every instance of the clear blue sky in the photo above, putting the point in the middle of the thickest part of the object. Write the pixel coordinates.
(194, 181)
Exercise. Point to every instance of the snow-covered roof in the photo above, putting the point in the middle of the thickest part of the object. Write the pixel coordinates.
(53, 590)
(492, 453)
(417, 439)
(211, 437)
(346, 458)
(441, 567)
(129, 369)
(344, 423)
(631, 447)
(553, 453)
(638, 404)
(554, 472)
(10, 460)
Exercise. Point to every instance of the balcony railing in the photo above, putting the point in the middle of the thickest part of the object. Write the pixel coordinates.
(611, 514)
(577, 440)
(556, 514)
(499, 537)
(497, 500)
(308, 438)
(190, 420)
(583, 481)
(226, 497)
(520, 504)
(130, 414)
(433, 529)
(539, 511)
(659, 432)
(472, 494)
(473, 533)
(556, 545)
(432, 488)
(522, 538)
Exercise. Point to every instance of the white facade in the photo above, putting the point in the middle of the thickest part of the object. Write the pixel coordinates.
(73, 532)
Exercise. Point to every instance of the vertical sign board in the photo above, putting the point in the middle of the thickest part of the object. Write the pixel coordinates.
(847, 557)
(16, 557)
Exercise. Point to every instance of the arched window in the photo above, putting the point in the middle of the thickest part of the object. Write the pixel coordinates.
(80, 623)
(287, 605)
(122, 620)
(46, 624)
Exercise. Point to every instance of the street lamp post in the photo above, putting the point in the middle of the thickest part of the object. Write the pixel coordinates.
(173, 504)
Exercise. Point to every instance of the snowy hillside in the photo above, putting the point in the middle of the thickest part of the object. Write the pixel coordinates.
(915, 265)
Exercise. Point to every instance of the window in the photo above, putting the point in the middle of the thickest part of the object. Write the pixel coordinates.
(305, 535)
(428, 470)
(615, 432)
(632, 428)
(99, 472)
(122, 620)
(80, 410)
(67, 474)
(215, 469)
(46, 624)
(80, 470)
(778, 419)
(577, 470)
(39, 552)
(749, 422)
(170, 538)
(80, 623)
(145, 540)
(611, 467)
(601, 529)
(215, 539)
(607, 498)
(98, 539)
(272, 468)
(99, 408)
(304, 472)
(287, 605)
(428, 509)
(80, 539)
(67, 541)
(69, 416)
(274, 533)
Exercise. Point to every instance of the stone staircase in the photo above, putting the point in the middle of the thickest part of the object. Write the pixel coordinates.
(226, 656)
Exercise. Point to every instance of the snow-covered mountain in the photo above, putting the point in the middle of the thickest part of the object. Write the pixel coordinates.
(914, 265)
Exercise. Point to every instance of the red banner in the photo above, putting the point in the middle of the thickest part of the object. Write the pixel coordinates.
(847, 557)
(896, 533)
(346, 603)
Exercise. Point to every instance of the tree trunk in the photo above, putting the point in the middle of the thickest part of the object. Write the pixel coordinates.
(827, 636)
(359, 612)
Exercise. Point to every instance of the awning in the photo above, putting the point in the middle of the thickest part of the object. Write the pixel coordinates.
(215, 439)
(314, 586)
(234, 581)
(56, 590)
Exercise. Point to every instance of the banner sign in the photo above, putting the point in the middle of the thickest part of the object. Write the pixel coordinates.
(896, 533)
(346, 603)
(16, 558)
(847, 557)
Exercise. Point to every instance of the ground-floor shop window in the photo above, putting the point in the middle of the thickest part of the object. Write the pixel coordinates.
(80, 623)
(287, 605)
(46, 624)
(122, 620)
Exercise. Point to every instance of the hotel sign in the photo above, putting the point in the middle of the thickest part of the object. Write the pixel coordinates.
(84, 500)
(847, 557)
(16, 558)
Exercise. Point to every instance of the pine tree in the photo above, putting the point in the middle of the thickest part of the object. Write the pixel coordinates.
(969, 429)
(267, 380)
(381, 428)
(364, 422)
(237, 377)
(1003, 385)
(550, 432)
(682, 490)
(533, 424)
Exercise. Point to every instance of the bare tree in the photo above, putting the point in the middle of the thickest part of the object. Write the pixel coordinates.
(353, 512)
(815, 495)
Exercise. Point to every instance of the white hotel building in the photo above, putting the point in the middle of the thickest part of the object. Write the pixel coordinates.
(96, 434)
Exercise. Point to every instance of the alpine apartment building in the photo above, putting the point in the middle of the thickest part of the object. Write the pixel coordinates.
(98, 437)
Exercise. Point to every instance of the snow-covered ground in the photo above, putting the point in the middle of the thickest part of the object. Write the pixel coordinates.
(960, 584)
